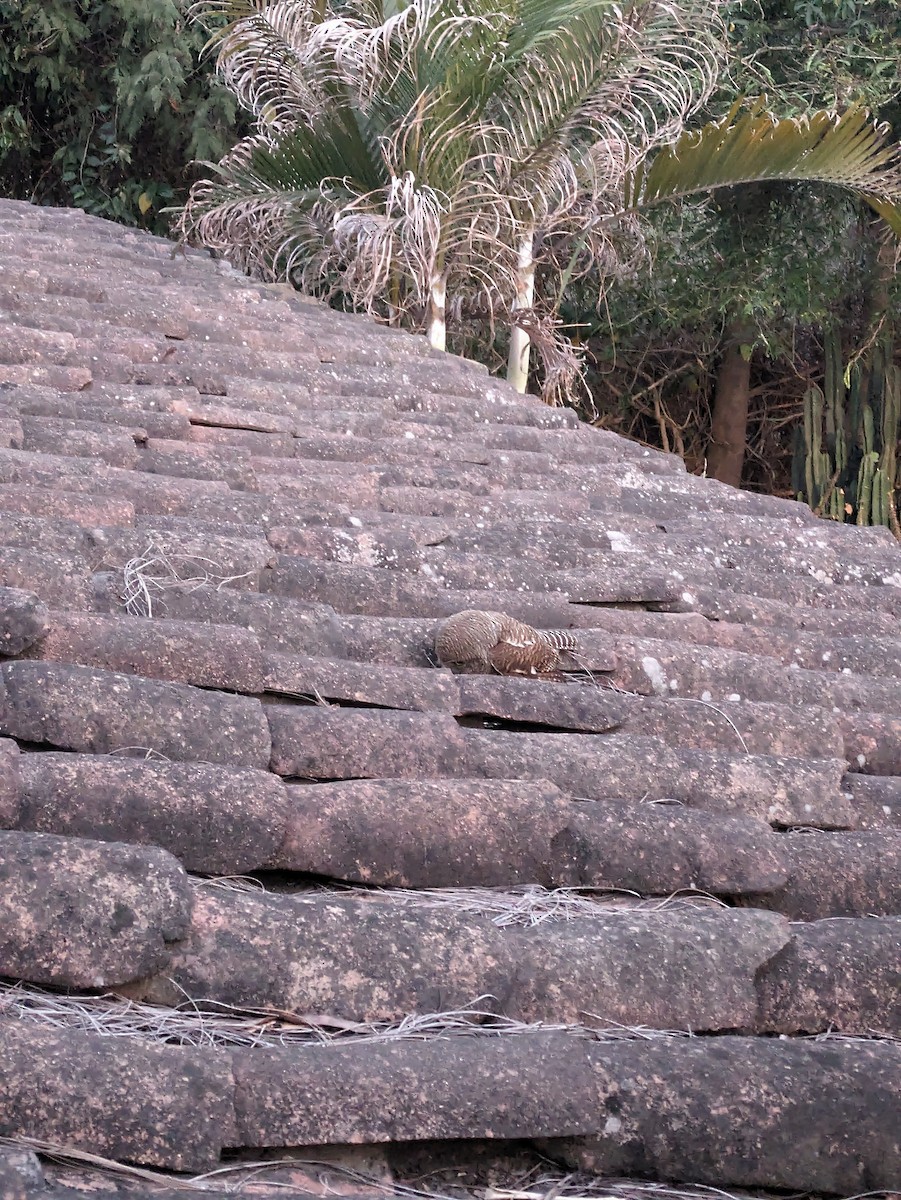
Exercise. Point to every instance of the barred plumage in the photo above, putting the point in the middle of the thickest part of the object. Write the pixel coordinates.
(478, 642)
(560, 639)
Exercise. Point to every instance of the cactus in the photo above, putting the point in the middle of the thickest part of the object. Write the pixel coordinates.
(819, 472)
(891, 437)
(846, 446)
(834, 390)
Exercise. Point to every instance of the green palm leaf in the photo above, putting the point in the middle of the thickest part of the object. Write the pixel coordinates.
(890, 213)
(336, 145)
(847, 150)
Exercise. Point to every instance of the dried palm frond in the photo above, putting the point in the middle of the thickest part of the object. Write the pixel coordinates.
(216, 1025)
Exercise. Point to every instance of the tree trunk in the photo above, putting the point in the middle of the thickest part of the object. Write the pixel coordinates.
(436, 325)
(518, 355)
(729, 425)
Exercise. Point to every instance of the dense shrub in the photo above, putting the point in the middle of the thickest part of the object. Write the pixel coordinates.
(103, 105)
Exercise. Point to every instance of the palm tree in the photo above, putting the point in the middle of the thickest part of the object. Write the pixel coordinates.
(408, 155)
(447, 157)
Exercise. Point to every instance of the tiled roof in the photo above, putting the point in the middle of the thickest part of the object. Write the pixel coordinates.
(643, 923)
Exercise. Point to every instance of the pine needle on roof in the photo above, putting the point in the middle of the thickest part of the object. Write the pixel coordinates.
(532, 905)
(155, 571)
(526, 905)
(213, 1024)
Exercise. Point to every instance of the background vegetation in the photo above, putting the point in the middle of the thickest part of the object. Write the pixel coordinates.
(103, 106)
(782, 275)
(105, 103)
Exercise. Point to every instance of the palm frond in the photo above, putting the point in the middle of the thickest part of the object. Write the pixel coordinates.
(257, 198)
(631, 82)
(337, 144)
(890, 212)
(848, 150)
(534, 23)
(260, 55)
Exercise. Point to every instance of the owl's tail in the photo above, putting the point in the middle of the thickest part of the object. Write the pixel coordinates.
(559, 639)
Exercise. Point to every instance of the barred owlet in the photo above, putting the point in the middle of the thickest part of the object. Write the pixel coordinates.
(478, 643)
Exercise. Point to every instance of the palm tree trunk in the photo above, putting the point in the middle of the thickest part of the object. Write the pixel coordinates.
(436, 324)
(729, 424)
(518, 356)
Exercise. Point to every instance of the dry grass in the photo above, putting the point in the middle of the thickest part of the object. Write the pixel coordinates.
(577, 1185)
(544, 1182)
(532, 905)
(860, 1038)
(156, 571)
(219, 1026)
(526, 905)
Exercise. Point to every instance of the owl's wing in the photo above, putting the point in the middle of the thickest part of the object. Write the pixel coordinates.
(524, 656)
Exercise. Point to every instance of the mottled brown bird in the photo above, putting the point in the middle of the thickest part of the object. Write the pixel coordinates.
(476, 642)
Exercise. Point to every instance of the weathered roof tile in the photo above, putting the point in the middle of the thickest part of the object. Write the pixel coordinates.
(82, 439)
(782, 791)
(12, 435)
(217, 820)
(333, 743)
(61, 1085)
(57, 578)
(208, 656)
(840, 875)
(776, 614)
(501, 1087)
(876, 800)
(836, 974)
(770, 729)
(88, 914)
(666, 970)
(9, 784)
(393, 551)
(496, 833)
(23, 620)
(811, 1115)
(325, 679)
(292, 499)
(872, 739)
(80, 507)
(335, 955)
(288, 626)
(98, 712)
(67, 379)
(380, 592)
(196, 462)
(192, 557)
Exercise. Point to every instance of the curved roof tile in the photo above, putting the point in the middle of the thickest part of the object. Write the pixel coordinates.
(482, 908)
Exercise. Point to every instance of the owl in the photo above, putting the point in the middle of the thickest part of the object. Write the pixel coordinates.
(475, 642)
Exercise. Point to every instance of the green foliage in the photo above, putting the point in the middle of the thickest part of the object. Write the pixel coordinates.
(790, 259)
(775, 254)
(102, 105)
(812, 53)
(846, 450)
